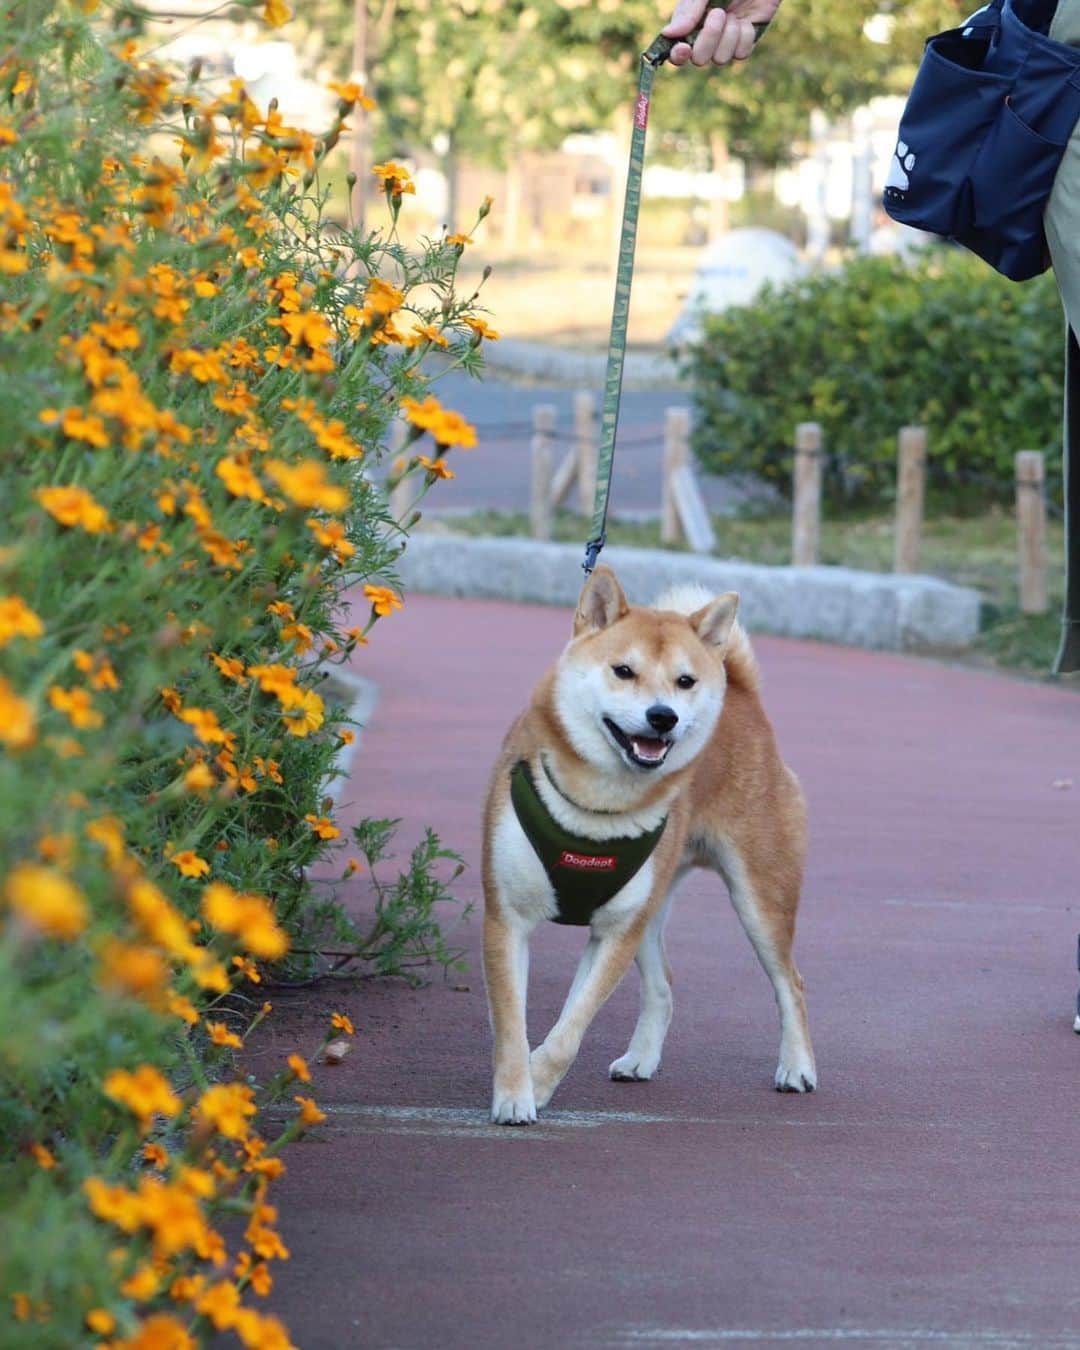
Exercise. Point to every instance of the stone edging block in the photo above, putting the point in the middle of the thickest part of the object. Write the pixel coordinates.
(836, 604)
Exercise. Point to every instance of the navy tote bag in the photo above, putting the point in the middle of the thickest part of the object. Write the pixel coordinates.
(983, 132)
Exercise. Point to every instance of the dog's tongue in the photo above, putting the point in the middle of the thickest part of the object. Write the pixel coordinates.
(645, 747)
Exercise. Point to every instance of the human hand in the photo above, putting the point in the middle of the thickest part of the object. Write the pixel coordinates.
(726, 36)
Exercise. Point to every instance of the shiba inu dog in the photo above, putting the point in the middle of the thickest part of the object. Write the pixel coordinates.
(644, 752)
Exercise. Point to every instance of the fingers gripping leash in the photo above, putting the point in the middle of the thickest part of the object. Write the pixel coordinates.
(651, 60)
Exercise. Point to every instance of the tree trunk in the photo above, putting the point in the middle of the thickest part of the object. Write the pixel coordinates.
(450, 172)
(719, 207)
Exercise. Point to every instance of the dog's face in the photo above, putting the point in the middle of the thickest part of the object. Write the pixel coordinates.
(640, 690)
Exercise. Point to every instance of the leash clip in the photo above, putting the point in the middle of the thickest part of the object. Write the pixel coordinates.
(592, 552)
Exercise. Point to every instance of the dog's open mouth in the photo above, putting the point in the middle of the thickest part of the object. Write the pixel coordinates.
(647, 751)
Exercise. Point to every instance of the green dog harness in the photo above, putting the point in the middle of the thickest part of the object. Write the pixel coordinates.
(584, 873)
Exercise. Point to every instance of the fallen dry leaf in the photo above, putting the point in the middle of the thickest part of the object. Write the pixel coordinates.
(336, 1051)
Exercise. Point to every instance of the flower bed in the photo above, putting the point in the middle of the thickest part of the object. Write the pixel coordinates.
(196, 372)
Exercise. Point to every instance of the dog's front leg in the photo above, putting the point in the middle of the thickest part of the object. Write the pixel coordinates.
(506, 971)
(602, 967)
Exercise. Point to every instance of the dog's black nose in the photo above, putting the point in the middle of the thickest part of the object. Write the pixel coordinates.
(660, 717)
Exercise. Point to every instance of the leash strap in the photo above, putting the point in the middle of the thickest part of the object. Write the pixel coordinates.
(651, 60)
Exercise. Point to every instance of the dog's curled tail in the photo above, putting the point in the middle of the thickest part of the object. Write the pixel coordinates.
(739, 658)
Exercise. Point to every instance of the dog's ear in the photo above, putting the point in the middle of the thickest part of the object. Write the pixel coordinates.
(602, 602)
(713, 622)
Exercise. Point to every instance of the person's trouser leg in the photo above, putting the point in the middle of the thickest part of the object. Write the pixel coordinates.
(1063, 235)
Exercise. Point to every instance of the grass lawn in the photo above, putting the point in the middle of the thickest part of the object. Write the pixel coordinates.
(977, 551)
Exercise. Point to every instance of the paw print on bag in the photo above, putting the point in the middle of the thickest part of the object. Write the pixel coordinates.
(902, 163)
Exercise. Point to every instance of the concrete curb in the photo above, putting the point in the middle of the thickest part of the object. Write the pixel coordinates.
(567, 366)
(836, 604)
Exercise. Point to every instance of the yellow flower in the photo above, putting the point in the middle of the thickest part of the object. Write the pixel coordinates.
(331, 535)
(43, 1157)
(204, 723)
(309, 1112)
(73, 506)
(447, 427)
(160, 1332)
(18, 729)
(351, 92)
(189, 864)
(460, 239)
(141, 1285)
(220, 1304)
(305, 715)
(101, 1321)
(199, 778)
(132, 969)
(183, 1008)
(481, 329)
(323, 826)
(78, 705)
(221, 1035)
(230, 667)
(155, 1155)
(276, 13)
(47, 899)
(246, 917)
(227, 1107)
(146, 1093)
(436, 467)
(21, 1307)
(299, 1068)
(394, 177)
(342, 1023)
(383, 600)
(239, 479)
(17, 619)
(305, 485)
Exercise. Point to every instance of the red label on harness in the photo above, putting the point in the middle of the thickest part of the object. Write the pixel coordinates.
(641, 111)
(587, 862)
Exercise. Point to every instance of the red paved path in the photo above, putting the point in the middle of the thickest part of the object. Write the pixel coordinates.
(928, 1193)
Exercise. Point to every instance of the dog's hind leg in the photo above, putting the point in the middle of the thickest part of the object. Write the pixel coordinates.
(766, 905)
(506, 971)
(642, 1058)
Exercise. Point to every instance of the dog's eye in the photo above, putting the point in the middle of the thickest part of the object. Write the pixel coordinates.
(686, 681)
(622, 672)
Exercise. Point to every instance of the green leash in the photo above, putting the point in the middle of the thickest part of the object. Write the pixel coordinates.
(651, 61)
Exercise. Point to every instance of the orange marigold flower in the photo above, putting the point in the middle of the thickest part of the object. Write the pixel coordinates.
(481, 329)
(101, 1321)
(342, 1023)
(199, 778)
(309, 1112)
(323, 826)
(394, 178)
(171, 699)
(146, 1093)
(183, 1008)
(276, 13)
(17, 619)
(77, 705)
(189, 864)
(305, 485)
(18, 729)
(155, 1155)
(141, 1285)
(129, 968)
(45, 898)
(221, 1035)
(299, 1068)
(73, 506)
(220, 1303)
(248, 918)
(204, 723)
(239, 479)
(43, 1157)
(383, 599)
(227, 1107)
(436, 467)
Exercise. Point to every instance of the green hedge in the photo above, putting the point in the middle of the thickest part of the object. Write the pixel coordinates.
(943, 342)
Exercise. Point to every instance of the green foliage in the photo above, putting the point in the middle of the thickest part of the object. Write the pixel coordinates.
(196, 372)
(944, 343)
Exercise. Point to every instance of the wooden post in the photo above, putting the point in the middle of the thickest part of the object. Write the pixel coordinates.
(402, 494)
(540, 496)
(676, 456)
(1031, 531)
(910, 487)
(585, 448)
(806, 491)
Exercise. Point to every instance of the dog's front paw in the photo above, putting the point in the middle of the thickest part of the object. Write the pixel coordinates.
(633, 1068)
(513, 1108)
(798, 1075)
(547, 1074)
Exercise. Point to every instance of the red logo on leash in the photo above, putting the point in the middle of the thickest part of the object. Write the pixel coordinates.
(587, 862)
(641, 111)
